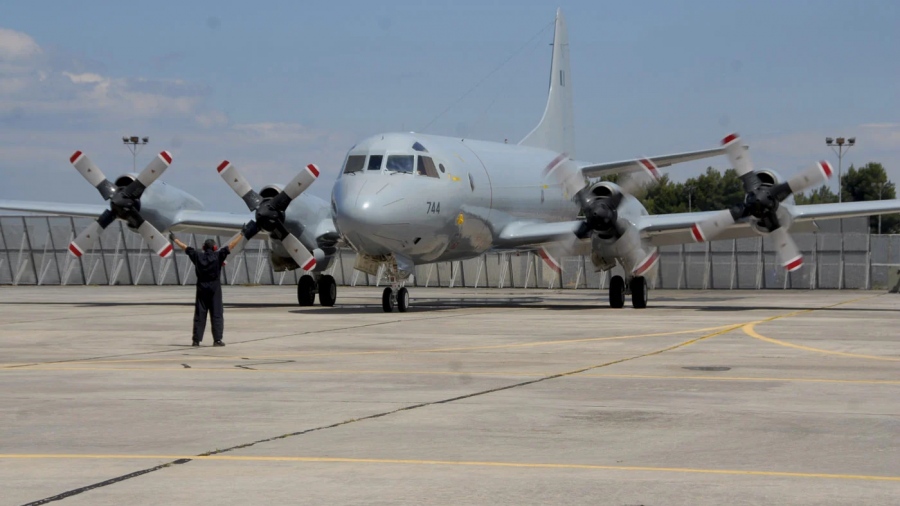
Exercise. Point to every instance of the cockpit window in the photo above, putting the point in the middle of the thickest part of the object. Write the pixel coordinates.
(419, 147)
(355, 163)
(400, 163)
(375, 162)
(425, 167)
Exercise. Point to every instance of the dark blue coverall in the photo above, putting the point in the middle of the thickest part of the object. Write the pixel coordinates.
(208, 265)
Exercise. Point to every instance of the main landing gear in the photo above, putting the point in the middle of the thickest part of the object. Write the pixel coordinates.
(637, 287)
(308, 287)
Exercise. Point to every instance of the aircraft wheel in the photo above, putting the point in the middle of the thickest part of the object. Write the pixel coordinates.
(402, 300)
(639, 292)
(327, 290)
(616, 292)
(387, 300)
(306, 290)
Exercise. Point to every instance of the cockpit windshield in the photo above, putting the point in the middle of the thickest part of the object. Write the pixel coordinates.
(355, 163)
(400, 163)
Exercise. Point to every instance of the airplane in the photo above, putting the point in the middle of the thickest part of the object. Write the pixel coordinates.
(408, 199)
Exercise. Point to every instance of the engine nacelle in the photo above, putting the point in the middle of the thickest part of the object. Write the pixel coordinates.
(603, 189)
(160, 202)
(270, 191)
(769, 177)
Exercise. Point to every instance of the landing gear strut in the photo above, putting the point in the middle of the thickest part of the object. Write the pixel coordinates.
(308, 287)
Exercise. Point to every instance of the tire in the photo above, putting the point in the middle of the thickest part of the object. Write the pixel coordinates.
(616, 292)
(402, 300)
(639, 292)
(387, 301)
(327, 289)
(306, 290)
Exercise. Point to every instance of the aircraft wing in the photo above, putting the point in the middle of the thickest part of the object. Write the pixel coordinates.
(519, 234)
(198, 222)
(666, 229)
(609, 168)
(209, 222)
(55, 208)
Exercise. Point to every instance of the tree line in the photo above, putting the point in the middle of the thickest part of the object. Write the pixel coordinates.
(714, 190)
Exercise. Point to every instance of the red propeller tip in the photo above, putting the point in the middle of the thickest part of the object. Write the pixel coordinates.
(165, 252)
(794, 264)
(75, 156)
(697, 233)
(166, 156)
(74, 250)
(313, 169)
(223, 166)
(650, 167)
(826, 168)
(308, 266)
(647, 264)
(729, 139)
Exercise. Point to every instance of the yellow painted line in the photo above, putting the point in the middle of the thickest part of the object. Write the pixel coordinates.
(186, 358)
(465, 463)
(750, 330)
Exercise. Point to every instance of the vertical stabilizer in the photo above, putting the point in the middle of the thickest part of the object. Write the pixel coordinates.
(556, 131)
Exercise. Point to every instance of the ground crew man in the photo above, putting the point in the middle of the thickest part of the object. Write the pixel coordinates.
(208, 264)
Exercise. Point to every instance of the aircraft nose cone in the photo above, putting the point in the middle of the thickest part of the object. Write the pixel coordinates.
(368, 212)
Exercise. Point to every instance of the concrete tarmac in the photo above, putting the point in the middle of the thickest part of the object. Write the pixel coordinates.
(476, 396)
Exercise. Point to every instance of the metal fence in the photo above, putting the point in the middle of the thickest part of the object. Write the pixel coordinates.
(33, 252)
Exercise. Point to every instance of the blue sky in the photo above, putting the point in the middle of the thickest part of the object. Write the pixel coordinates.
(272, 86)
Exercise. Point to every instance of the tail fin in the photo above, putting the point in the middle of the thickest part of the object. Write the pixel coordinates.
(556, 131)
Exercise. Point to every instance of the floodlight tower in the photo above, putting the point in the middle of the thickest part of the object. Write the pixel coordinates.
(843, 145)
(134, 144)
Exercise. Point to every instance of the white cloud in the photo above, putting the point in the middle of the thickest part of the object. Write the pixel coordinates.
(17, 46)
(51, 106)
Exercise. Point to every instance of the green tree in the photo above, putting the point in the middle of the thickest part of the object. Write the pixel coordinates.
(710, 191)
(821, 195)
(870, 182)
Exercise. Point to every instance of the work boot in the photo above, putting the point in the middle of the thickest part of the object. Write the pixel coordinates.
(195, 343)
(218, 343)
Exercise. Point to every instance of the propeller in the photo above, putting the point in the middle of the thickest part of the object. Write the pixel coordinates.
(761, 202)
(124, 203)
(601, 211)
(269, 212)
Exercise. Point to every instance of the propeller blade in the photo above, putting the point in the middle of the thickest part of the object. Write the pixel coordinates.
(86, 239)
(811, 177)
(645, 175)
(298, 252)
(708, 228)
(647, 263)
(740, 160)
(92, 174)
(788, 252)
(298, 185)
(236, 181)
(294, 247)
(302, 181)
(155, 168)
(155, 239)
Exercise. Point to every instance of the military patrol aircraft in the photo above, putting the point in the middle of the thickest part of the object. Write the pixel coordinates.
(407, 199)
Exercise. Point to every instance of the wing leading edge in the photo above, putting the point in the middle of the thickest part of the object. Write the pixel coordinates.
(609, 168)
(667, 229)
